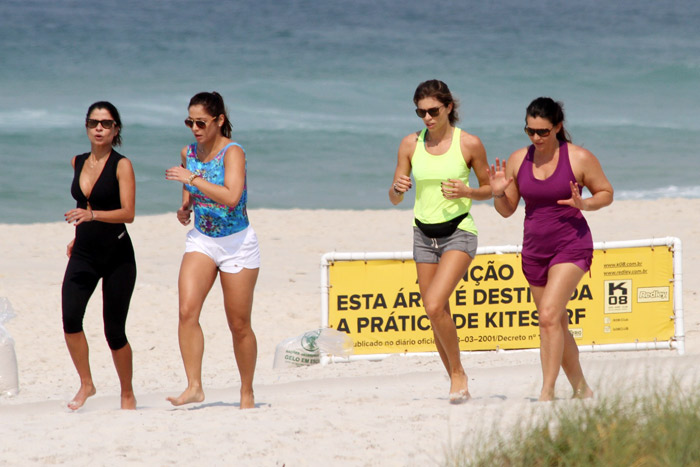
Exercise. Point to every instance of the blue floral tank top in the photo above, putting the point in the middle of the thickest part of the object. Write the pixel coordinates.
(211, 218)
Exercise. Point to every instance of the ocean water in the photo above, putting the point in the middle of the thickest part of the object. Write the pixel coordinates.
(319, 91)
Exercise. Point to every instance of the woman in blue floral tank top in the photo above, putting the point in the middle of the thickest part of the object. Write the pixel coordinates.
(213, 173)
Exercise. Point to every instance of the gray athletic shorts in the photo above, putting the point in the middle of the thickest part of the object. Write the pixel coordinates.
(429, 250)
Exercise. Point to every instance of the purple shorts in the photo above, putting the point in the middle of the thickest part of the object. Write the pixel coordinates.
(537, 268)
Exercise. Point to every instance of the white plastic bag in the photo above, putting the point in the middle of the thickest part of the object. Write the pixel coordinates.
(9, 385)
(306, 349)
(334, 342)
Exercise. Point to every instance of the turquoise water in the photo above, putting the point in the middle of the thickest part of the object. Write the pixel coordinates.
(320, 91)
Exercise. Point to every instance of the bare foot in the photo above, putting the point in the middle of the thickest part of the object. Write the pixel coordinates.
(188, 396)
(583, 393)
(459, 393)
(459, 397)
(547, 395)
(247, 400)
(128, 401)
(84, 392)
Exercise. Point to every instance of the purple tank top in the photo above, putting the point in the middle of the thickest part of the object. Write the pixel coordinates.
(551, 227)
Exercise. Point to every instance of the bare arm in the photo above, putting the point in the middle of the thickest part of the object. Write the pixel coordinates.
(184, 213)
(127, 196)
(234, 179)
(474, 155)
(69, 247)
(590, 173)
(402, 180)
(506, 195)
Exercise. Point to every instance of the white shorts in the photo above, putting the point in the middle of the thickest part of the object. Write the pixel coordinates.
(231, 253)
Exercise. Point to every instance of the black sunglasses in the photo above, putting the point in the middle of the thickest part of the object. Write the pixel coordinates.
(201, 124)
(106, 124)
(543, 132)
(433, 111)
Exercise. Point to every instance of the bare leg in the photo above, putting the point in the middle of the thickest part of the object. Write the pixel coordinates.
(572, 365)
(436, 285)
(79, 353)
(238, 300)
(197, 275)
(425, 277)
(123, 363)
(557, 347)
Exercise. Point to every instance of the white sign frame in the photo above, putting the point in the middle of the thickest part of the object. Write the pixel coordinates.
(676, 343)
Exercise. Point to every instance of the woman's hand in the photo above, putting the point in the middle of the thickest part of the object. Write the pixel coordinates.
(497, 178)
(69, 248)
(184, 214)
(178, 173)
(78, 215)
(455, 188)
(576, 201)
(402, 184)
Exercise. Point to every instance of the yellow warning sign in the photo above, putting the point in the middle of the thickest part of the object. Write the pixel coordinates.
(627, 298)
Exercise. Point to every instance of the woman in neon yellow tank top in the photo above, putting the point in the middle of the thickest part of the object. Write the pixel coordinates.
(444, 235)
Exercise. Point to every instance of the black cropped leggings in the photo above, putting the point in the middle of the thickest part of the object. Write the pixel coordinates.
(118, 274)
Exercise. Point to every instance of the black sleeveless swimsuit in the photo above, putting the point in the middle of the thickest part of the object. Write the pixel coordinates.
(101, 251)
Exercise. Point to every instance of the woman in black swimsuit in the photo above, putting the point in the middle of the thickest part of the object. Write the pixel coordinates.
(104, 190)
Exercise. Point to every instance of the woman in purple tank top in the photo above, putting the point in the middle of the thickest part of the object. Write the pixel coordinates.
(557, 244)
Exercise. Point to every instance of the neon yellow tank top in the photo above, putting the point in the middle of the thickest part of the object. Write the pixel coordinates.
(429, 171)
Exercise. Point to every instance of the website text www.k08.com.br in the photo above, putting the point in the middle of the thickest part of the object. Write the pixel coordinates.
(623, 264)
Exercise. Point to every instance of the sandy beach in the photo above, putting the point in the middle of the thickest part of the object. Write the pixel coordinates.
(390, 412)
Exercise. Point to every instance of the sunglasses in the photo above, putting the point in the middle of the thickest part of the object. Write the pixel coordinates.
(106, 124)
(543, 132)
(433, 112)
(201, 124)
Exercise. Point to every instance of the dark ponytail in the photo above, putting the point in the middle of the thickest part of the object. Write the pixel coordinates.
(213, 103)
(549, 109)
